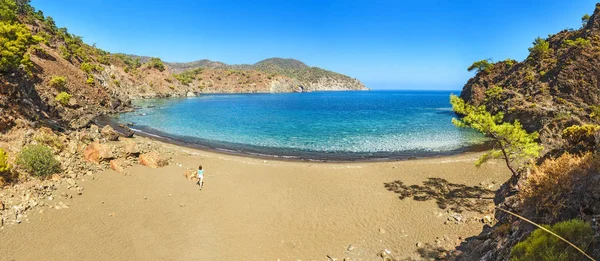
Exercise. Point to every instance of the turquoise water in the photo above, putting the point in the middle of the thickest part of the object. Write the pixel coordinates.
(318, 125)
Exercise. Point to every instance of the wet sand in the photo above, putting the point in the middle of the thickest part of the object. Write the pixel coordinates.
(249, 209)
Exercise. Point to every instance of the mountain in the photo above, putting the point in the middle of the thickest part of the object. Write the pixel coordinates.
(301, 76)
(556, 92)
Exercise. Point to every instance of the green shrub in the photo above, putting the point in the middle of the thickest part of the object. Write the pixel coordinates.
(581, 135)
(595, 114)
(186, 77)
(156, 63)
(482, 65)
(65, 53)
(509, 62)
(494, 93)
(15, 40)
(90, 81)
(38, 160)
(8, 10)
(4, 166)
(541, 245)
(540, 48)
(58, 82)
(579, 42)
(87, 68)
(63, 98)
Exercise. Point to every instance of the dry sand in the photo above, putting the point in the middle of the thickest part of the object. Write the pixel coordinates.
(249, 209)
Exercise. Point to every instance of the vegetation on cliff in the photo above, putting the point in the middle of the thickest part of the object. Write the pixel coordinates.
(554, 92)
(513, 144)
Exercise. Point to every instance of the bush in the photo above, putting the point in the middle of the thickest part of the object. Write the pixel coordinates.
(63, 98)
(8, 10)
(49, 139)
(58, 82)
(65, 53)
(38, 160)
(540, 48)
(4, 166)
(156, 63)
(550, 186)
(595, 114)
(87, 68)
(90, 81)
(581, 137)
(494, 93)
(541, 245)
(15, 40)
(579, 42)
(509, 62)
(482, 65)
(186, 77)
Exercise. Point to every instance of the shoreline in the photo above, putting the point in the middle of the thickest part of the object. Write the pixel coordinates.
(251, 209)
(295, 155)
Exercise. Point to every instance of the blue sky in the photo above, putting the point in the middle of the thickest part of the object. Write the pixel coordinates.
(423, 44)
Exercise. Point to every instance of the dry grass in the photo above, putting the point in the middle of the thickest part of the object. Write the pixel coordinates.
(551, 185)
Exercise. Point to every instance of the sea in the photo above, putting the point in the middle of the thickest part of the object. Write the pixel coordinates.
(321, 126)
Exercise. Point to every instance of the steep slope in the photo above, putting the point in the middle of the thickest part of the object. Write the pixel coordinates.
(557, 86)
(555, 91)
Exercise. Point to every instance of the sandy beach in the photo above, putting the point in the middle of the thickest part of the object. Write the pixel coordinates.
(255, 209)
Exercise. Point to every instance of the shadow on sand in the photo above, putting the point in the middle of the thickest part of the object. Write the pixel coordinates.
(456, 197)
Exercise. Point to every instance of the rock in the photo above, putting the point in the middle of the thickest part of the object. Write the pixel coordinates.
(191, 94)
(94, 129)
(487, 219)
(130, 124)
(153, 160)
(73, 103)
(419, 244)
(382, 231)
(96, 152)
(457, 217)
(109, 133)
(350, 247)
(55, 177)
(130, 148)
(117, 165)
(1, 205)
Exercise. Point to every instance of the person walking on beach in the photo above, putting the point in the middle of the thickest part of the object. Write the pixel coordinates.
(200, 177)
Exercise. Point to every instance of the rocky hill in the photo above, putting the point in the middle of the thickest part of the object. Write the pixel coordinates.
(283, 75)
(556, 92)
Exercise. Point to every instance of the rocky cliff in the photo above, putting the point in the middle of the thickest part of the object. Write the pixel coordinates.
(555, 91)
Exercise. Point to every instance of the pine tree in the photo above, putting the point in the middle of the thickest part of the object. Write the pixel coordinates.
(512, 143)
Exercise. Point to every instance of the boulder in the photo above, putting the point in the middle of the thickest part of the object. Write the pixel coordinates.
(153, 160)
(94, 129)
(109, 133)
(117, 165)
(96, 152)
(191, 94)
(130, 148)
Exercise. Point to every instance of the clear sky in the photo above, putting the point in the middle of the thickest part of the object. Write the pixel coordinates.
(423, 44)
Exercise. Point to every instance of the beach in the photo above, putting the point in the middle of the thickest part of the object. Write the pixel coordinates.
(257, 209)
